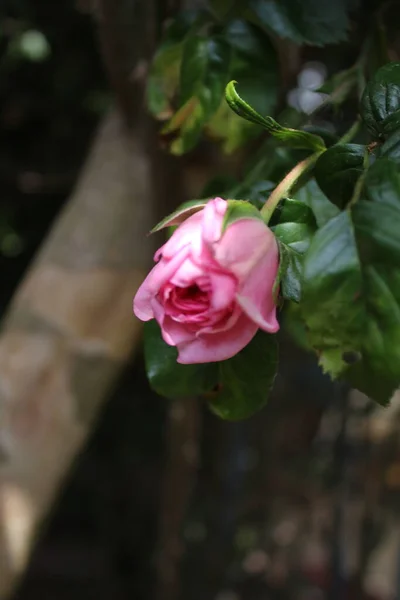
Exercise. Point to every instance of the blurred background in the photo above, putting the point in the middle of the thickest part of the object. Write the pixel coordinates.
(163, 500)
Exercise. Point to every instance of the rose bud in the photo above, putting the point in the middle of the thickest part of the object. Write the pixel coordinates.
(213, 285)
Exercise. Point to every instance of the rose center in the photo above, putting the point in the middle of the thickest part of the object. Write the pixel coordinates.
(190, 299)
(191, 292)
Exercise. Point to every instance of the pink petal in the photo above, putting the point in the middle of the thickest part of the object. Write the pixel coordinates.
(223, 290)
(256, 297)
(219, 346)
(243, 244)
(213, 216)
(187, 273)
(188, 233)
(173, 333)
(157, 277)
(223, 324)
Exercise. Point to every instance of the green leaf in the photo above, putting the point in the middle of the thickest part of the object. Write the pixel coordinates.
(380, 103)
(254, 64)
(202, 65)
(163, 78)
(184, 211)
(294, 226)
(163, 81)
(238, 210)
(329, 138)
(247, 379)
(377, 374)
(169, 378)
(391, 148)
(337, 171)
(312, 195)
(203, 76)
(315, 22)
(378, 217)
(332, 283)
(289, 274)
(293, 211)
(205, 63)
(351, 287)
(294, 137)
(292, 323)
(250, 43)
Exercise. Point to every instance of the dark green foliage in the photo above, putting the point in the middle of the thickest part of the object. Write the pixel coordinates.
(293, 225)
(169, 378)
(352, 286)
(241, 384)
(337, 171)
(195, 61)
(380, 104)
(336, 215)
(313, 196)
(315, 22)
(246, 379)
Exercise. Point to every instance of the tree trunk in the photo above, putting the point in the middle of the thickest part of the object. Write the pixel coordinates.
(68, 334)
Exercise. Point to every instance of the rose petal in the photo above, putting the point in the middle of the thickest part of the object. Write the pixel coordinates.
(243, 244)
(222, 324)
(213, 216)
(256, 297)
(187, 274)
(157, 277)
(188, 233)
(268, 323)
(219, 346)
(173, 333)
(223, 287)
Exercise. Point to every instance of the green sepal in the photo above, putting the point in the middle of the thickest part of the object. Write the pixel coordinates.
(238, 210)
(184, 211)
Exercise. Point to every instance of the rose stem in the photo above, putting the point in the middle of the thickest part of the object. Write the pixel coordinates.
(283, 188)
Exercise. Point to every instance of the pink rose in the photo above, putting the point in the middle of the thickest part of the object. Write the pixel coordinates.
(211, 291)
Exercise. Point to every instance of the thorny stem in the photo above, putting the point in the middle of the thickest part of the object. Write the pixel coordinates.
(283, 189)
